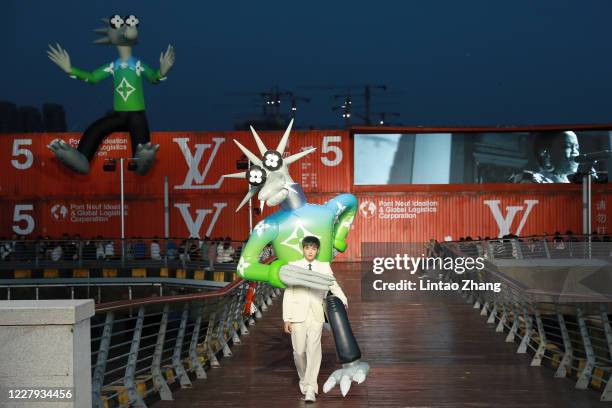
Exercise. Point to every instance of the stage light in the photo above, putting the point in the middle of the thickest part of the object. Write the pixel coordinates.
(109, 165)
(242, 163)
(132, 165)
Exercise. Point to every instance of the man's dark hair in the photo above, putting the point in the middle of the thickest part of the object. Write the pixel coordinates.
(310, 240)
(545, 142)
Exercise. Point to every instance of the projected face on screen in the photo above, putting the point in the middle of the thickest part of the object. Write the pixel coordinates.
(556, 152)
(470, 157)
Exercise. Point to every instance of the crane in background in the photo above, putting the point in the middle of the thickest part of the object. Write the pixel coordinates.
(272, 102)
(346, 93)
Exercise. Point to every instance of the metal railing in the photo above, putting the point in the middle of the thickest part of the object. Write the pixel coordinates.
(542, 246)
(102, 289)
(564, 325)
(146, 347)
(164, 330)
(113, 252)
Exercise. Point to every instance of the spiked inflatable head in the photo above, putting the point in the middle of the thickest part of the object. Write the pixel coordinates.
(268, 176)
(119, 30)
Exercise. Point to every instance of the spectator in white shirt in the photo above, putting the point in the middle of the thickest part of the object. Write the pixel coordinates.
(56, 253)
(155, 252)
(225, 252)
(109, 250)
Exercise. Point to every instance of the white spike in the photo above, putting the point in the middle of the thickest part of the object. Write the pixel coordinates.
(242, 174)
(345, 385)
(289, 187)
(103, 40)
(246, 198)
(260, 145)
(254, 159)
(298, 156)
(284, 139)
(262, 203)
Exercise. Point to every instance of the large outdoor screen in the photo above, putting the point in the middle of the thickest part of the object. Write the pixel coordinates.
(465, 158)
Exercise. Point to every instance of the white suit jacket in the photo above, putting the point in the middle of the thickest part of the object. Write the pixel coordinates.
(298, 300)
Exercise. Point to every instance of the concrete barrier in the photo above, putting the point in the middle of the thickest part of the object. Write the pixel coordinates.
(45, 353)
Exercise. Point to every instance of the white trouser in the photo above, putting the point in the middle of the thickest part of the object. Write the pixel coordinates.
(306, 341)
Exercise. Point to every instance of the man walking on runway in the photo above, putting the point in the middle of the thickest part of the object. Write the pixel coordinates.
(304, 317)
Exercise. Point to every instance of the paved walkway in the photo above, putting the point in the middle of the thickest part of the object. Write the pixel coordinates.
(427, 349)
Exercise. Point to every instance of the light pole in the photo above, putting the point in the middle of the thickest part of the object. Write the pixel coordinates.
(111, 165)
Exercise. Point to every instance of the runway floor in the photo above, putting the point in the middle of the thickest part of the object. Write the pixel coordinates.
(425, 349)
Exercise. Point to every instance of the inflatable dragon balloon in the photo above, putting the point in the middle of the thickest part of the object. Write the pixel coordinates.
(128, 113)
(269, 179)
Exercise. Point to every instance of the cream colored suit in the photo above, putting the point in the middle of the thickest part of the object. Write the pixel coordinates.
(303, 308)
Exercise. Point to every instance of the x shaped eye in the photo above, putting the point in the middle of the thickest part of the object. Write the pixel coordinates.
(272, 160)
(132, 21)
(256, 176)
(116, 21)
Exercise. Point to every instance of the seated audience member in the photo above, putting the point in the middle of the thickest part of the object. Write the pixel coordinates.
(5, 249)
(48, 247)
(155, 250)
(570, 236)
(171, 250)
(225, 252)
(204, 244)
(79, 245)
(194, 249)
(40, 247)
(109, 250)
(13, 246)
(184, 251)
(57, 252)
(129, 250)
(533, 249)
(212, 252)
(89, 250)
(205, 253)
(140, 249)
(99, 249)
(558, 242)
(238, 253)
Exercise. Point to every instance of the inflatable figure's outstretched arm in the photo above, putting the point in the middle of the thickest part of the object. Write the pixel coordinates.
(278, 273)
(61, 58)
(345, 206)
(249, 266)
(347, 349)
(166, 61)
(91, 77)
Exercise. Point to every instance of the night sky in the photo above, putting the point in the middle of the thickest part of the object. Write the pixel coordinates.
(445, 62)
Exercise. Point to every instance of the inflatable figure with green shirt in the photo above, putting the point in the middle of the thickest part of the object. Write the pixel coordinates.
(128, 113)
(269, 179)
